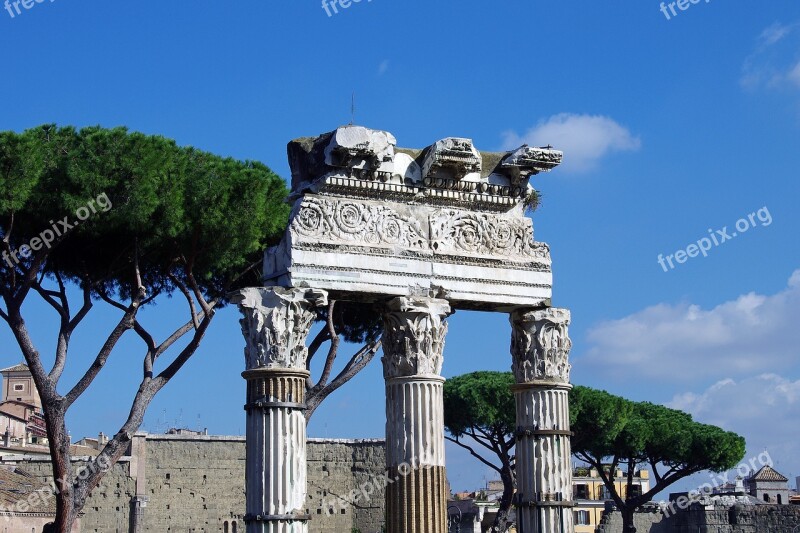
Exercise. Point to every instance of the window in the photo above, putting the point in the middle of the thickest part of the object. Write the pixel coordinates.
(635, 491)
(766, 498)
(605, 494)
(780, 500)
(582, 518)
(225, 528)
(233, 524)
(582, 491)
(19, 387)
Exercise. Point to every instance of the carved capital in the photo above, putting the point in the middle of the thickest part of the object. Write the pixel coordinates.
(413, 336)
(540, 345)
(276, 323)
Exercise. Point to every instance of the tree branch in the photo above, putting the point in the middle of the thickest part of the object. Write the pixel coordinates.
(125, 323)
(474, 454)
(185, 291)
(315, 345)
(169, 372)
(333, 349)
(358, 362)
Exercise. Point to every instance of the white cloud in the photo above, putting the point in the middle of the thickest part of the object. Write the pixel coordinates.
(774, 33)
(794, 75)
(383, 67)
(763, 409)
(773, 64)
(584, 139)
(752, 334)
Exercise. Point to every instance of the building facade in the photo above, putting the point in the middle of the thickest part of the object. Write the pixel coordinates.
(21, 417)
(591, 495)
(768, 485)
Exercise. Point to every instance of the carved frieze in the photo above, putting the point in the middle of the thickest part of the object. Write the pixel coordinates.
(461, 232)
(276, 323)
(357, 223)
(540, 345)
(413, 337)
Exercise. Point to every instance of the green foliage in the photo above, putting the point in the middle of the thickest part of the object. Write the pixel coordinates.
(355, 322)
(609, 428)
(532, 201)
(480, 399)
(170, 205)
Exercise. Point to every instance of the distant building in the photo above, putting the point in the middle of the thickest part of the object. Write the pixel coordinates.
(768, 485)
(588, 491)
(464, 516)
(18, 386)
(590, 494)
(21, 416)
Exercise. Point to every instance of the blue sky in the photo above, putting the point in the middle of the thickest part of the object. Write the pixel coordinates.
(669, 127)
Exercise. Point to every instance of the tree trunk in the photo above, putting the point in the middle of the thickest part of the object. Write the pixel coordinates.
(62, 466)
(502, 522)
(627, 519)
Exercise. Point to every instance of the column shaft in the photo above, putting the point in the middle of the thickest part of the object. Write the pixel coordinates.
(276, 324)
(413, 340)
(540, 347)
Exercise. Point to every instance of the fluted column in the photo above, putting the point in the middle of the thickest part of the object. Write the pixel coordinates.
(275, 325)
(540, 348)
(413, 341)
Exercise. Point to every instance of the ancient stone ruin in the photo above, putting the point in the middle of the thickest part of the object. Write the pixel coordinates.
(418, 234)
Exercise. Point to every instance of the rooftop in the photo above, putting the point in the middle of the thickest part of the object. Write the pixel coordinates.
(767, 473)
(15, 487)
(22, 367)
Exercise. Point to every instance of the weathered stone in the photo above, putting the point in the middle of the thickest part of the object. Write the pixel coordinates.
(453, 158)
(275, 326)
(414, 334)
(529, 160)
(196, 483)
(541, 345)
(371, 220)
(434, 228)
(540, 349)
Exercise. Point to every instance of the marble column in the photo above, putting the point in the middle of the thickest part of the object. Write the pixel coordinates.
(413, 341)
(540, 348)
(275, 325)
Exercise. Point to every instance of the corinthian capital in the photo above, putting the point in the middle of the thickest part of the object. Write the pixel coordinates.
(540, 345)
(276, 323)
(413, 336)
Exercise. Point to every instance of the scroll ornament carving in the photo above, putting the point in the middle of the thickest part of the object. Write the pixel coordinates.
(485, 234)
(276, 324)
(358, 223)
(540, 345)
(413, 337)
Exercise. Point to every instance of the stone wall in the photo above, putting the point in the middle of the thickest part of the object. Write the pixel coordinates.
(735, 519)
(335, 470)
(195, 484)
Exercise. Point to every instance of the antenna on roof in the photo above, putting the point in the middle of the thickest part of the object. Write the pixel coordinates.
(353, 108)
